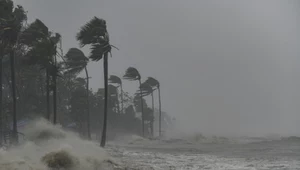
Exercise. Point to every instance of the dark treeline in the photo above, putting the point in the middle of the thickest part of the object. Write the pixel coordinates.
(39, 80)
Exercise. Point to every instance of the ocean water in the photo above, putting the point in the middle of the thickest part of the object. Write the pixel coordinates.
(46, 145)
(179, 154)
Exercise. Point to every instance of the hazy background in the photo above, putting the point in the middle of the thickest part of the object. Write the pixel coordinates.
(225, 66)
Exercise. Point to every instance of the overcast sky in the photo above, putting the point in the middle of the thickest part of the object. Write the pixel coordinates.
(224, 66)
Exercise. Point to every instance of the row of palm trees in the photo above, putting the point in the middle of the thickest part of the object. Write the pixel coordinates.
(40, 47)
(76, 62)
(95, 34)
(146, 88)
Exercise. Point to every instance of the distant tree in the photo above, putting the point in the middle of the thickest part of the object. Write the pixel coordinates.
(95, 33)
(117, 80)
(149, 119)
(147, 90)
(132, 74)
(155, 84)
(113, 97)
(78, 103)
(76, 62)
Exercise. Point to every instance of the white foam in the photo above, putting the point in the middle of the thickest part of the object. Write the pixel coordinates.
(44, 138)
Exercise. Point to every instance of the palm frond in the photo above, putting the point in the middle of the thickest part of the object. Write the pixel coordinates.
(98, 51)
(132, 74)
(20, 14)
(56, 38)
(145, 89)
(115, 80)
(95, 34)
(34, 33)
(91, 32)
(152, 82)
(75, 61)
(40, 53)
(11, 22)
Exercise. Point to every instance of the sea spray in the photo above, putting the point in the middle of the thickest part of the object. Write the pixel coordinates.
(46, 141)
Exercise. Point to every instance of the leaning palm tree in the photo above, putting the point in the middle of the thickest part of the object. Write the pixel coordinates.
(95, 33)
(117, 80)
(76, 62)
(147, 90)
(132, 74)
(155, 84)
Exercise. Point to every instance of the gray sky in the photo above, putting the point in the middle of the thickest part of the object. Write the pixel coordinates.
(224, 66)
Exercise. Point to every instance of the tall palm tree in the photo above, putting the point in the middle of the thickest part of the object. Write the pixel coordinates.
(95, 33)
(76, 62)
(54, 71)
(147, 90)
(155, 84)
(34, 37)
(12, 19)
(43, 52)
(6, 9)
(117, 80)
(132, 74)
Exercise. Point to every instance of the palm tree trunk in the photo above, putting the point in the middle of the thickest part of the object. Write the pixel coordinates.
(142, 109)
(151, 123)
(54, 99)
(118, 104)
(48, 93)
(55, 91)
(1, 101)
(159, 111)
(88, 104)
(13, 83)
(122, 99)
(105, 67)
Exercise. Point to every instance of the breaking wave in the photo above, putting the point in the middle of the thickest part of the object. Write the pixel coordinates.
(50, 147)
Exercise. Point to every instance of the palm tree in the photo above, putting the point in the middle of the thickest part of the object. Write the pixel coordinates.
(117, 80)
(76, 62)
(132, 74)
(12, 20)
(54, 71)
(34, 37)
(95, 33)
(43, 52)
(147, 90)
(155, 84)
(6, 8)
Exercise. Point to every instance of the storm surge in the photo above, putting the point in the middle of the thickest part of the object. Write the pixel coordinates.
(50, 147)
